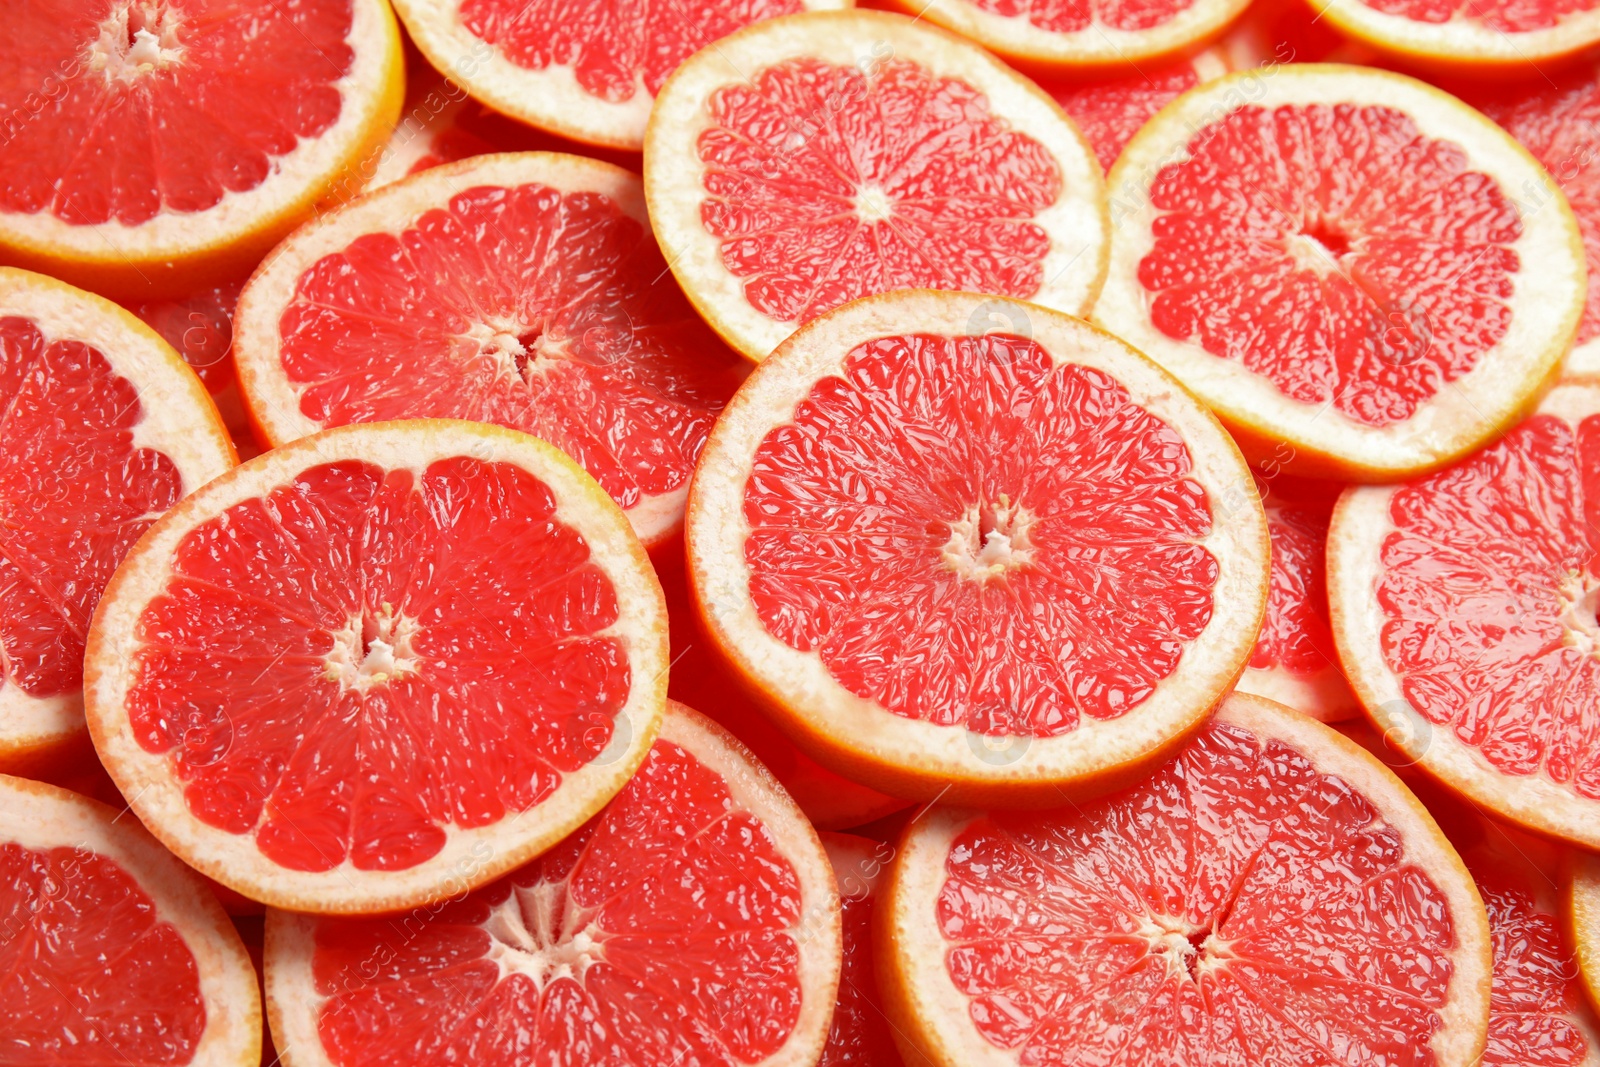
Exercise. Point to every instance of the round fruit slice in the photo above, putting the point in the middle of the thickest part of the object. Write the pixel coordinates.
(111, 951)
(103, 429)
(1463, 607)
(1110, 111)
(693, 920)
(1583, 914)
(813, 160)
(975, 566)
(151, 146)
(1074, 34)
(1294, 661)
(522, 289)
(1271, 895)
(859, 1033)
(378, 666)
(1340, 267)
(1473, 34)
(588, 71)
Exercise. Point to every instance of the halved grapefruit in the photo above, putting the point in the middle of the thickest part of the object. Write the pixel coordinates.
(1337, 260)
(1493, 35)
(808, 161)
(1463, 607)
(859, 1033)
(978, 566)
(586, 71)
(378, 666)
(111, 951)
(1271, 895)
(150, 146)
(103, 429)
(1111, 110)
(521, 289)
(694, 921)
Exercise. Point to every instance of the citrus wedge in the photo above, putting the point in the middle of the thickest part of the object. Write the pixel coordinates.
(1478, 35)
(111, 951)
(150, 146)
(1338, 261)
(378, 666)
(1111, 110)
(811, 160)
(694, 920)
(975, 565)
(1271, 895)
(103, 429)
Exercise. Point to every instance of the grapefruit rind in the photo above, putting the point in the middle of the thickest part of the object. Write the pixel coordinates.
(40, 817)
(1506, 380)
(1361, 521)
(176, 253)
(157, 796)
(1460, 42)
(1074, 267)
(931, 1016)
(858, 738)
(292, 1005)
(1582, 907)
(177, 418)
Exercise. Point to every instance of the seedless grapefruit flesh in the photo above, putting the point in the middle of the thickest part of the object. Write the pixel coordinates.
(809, 161)
(859, 1033)
(199, 327)
(152, 145)
(114, 952)
(1111, 110)
(380, 665)
(1272, 894)
(1475, 35)
(1339, 268)
(975, 566)
(1463, 607)
(522, 289)
(693, 920)
(103, 429)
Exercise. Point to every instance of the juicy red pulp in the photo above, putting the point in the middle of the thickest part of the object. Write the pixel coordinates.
(1074, 16)
(1505, 16)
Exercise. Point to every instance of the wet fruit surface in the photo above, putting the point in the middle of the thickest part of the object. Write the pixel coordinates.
(1295, 634)
(1110, 112)
(1534, 998)
(1507, 16)
(1071, 16)
(859, 1034)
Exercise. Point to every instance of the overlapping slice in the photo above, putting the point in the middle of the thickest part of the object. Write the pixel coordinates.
(1476, 34)
(809, 161)
(199, 327)
(1463, 607)
(694, 920)
(522, 289)
(1111, 110)
(112, 951)
(1583, 921)
(975, 565)
(151, 146)
(1340, 262)
(102, 428)
(1272, 894)
(859, 1033)
(368, 669)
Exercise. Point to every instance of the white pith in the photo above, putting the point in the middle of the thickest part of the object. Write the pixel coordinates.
(1076, 222)
(1462, 39)
(1549, 289)
(470, 856)
(975, 553)
(294, 1001)
(177, 419)
(124, 52)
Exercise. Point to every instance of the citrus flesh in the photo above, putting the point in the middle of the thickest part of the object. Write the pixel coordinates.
(1270, 895)
(1110, 111)
(974, 564)
(694, 919)
(809, 161)
(1497, 34)
(1361, 301)
(379, 662)
(859, 1033)
(521, 289)
(114, 952)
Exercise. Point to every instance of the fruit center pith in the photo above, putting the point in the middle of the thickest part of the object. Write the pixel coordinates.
(989, 539)
(540, 932)
(372, 649)
(134, 40)
(522, 350)
(1580, 601)
(1191, 951)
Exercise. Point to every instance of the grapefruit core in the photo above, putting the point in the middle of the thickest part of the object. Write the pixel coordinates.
(1470, 35)
(104, 428)
(378, 666)
(1272, 894)
(148, 148)
(1339, 262)
(815, 159)
(975, 565)
(694, 920)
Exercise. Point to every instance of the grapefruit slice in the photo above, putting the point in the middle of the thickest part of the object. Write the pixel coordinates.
(1475, 34)
(1110, 111)
(112, 951)
(1340, 267)
(199, 327)
(103, 429)
(694, 920)
(378, 666)
(522, 289)
(859, 1033)
(808, 161)
(975, 566)
(1271, 895)
(589, 71)
(152, 146)
(1583, 916)
(1463, 607)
